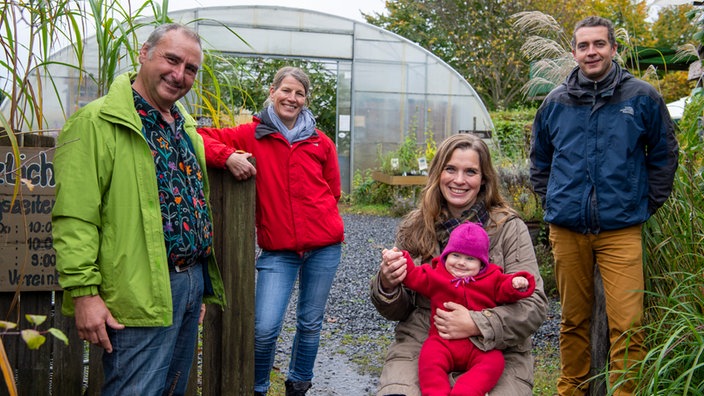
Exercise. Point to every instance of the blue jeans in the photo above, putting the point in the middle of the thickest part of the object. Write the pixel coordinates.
(157, 360)
(277, 272)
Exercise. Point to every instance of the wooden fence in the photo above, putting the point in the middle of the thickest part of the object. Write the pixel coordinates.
(225, 365)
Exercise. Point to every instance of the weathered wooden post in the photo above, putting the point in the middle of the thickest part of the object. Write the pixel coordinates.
(600, 343)
(228, 335)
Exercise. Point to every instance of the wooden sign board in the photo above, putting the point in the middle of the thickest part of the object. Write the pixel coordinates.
(27, 256)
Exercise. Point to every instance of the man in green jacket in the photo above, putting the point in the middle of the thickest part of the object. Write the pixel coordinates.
(132, 225)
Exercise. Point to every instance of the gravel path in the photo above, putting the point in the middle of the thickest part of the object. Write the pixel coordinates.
(355, 336)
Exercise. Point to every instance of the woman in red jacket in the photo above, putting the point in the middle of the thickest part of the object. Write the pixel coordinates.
(299, 228)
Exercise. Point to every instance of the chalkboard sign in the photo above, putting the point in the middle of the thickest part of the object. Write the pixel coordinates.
(27, 257)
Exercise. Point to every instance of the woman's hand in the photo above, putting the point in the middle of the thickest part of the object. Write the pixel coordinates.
(393, 269)
(454, 322)
(238, 165)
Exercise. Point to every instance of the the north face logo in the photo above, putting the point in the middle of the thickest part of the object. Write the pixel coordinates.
(627, 110)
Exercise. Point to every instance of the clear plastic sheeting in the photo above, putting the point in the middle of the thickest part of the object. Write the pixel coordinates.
(388, 86)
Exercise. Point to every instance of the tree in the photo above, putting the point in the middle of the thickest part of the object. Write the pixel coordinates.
(474, 37)
(627, 15)
(673, 28)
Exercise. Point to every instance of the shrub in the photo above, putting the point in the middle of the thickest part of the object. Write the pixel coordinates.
(512, 131)
(517, 189)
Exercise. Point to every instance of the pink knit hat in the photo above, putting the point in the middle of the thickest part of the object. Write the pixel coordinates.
(469, 239)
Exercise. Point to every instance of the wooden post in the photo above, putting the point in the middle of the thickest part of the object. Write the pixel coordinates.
(228, 335)
(600, 343)
(68, 369)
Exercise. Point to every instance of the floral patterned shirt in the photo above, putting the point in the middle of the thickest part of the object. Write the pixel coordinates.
(184, 210)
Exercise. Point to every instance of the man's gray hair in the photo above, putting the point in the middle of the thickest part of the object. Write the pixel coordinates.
(161, 30)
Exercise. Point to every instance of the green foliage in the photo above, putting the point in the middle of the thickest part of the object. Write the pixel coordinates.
(478, 40)
(366, 191)
(517, 189)
(674, 242)
(115, 39)
(546, 264)
(33, 337)
(672, 28)
(674, 363)
(406, 155)
(672, 86)
(512, 130)
(45, 23)
(371, 360)
(404, 160)
(473, 37)
(546, 371)
(674, 236)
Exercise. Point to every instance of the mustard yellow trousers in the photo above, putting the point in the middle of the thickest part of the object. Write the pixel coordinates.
(619, 255)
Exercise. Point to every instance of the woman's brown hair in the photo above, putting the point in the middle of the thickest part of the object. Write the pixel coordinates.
(416, 232)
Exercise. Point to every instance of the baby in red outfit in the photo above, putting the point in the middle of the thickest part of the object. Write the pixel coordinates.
(462, 274)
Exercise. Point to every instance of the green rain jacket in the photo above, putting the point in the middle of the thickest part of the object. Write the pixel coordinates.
(107, 225)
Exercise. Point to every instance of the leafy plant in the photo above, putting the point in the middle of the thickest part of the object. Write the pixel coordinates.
(405, 159)
(33, 337)
(512, 132)
(674, 362)
(517, 189)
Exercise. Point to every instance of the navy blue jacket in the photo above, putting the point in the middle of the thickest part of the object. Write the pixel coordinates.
(604, 154)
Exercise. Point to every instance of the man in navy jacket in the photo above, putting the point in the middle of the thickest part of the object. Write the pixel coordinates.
(603, 159)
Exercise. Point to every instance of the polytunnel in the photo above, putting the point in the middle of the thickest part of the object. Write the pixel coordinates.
(387, 86)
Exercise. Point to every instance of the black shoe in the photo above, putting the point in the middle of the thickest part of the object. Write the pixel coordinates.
(259, 393)
(297, 388)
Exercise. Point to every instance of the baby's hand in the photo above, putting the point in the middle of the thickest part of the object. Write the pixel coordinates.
(520, 283)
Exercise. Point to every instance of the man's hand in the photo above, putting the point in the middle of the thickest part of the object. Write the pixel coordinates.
(202, 314)
(91, 317)
(455, 322)
(238, 165)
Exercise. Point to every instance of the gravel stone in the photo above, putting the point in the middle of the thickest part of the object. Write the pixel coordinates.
(354, 335)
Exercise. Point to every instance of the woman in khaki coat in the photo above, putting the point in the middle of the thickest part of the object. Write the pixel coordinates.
(462, 185)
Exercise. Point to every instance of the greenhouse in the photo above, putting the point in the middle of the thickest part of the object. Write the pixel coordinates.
(387, 86)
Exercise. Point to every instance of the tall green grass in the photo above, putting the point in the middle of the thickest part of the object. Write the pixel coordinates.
(674, 246)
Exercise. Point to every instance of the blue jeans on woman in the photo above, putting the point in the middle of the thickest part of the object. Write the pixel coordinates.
(277, 272)
(157, 360)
